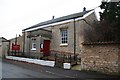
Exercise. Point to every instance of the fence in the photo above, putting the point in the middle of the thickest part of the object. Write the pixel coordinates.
(63, 57)
(16, 53)
(58, 57)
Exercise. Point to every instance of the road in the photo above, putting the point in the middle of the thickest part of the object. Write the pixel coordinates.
(15, 69)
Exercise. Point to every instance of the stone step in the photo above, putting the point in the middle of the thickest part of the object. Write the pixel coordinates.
(76, 67)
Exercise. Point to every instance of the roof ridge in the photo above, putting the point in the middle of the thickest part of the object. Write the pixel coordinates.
(63, 18)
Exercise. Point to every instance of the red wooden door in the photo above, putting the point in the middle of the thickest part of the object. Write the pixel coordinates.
(46, 48)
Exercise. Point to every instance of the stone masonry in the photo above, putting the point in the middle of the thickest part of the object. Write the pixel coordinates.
(101, 57)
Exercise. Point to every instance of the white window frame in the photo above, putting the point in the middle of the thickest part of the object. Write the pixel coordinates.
(41, 45)
(64, 36)
(33, 47)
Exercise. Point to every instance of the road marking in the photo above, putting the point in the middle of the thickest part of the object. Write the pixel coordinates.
(69, 77)
(50, 72)
(64, 76)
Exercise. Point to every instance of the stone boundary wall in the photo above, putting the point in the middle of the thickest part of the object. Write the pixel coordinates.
(101, 57)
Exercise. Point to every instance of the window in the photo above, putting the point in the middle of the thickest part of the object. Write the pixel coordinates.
(33, 46)
(64, 36)
(41, 45)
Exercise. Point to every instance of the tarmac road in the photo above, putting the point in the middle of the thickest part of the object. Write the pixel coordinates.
(15, 69)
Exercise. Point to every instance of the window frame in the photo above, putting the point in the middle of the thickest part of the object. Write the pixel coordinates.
(33, 47)
(64, 36)
(41, 45)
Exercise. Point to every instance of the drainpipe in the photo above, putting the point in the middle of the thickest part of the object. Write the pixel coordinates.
(15, 43)
(74, 40)
(23, 42)
(29, 44)
(16, 40)
(9, 48)
(40, 46)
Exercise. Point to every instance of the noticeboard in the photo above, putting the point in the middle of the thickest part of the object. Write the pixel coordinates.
(15, 47)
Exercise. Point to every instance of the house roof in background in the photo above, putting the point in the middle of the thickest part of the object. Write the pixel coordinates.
(3, 38)
(68, 17)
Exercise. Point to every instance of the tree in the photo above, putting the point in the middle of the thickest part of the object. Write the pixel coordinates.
(111, 17)
(108, 28)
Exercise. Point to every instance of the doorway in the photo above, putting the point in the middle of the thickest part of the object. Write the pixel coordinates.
(46, 48)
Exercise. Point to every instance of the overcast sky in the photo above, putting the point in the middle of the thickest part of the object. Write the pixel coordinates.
(16, 15)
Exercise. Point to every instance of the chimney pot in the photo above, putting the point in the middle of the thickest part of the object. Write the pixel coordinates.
(84, 9)
(53, 17)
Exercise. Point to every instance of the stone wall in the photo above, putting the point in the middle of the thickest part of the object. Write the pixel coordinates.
(101, 57)
(56, 38)
(3, 46)
(80, 27)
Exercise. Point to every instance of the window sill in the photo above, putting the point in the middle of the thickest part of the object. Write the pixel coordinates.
(63, 45)
(33, 49)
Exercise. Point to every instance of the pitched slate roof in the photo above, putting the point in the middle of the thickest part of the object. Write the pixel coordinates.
(68, 17)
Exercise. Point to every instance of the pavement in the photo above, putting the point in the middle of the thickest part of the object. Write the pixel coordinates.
(16, 69)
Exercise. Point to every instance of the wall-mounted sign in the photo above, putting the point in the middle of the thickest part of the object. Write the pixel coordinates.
(15, 47)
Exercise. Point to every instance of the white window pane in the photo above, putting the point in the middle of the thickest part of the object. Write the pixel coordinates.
(41, 45)
(64, 36)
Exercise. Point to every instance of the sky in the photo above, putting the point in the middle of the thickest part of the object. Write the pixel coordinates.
(16, 15)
